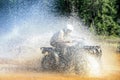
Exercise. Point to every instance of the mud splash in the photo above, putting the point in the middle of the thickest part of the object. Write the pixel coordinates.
(20, 47)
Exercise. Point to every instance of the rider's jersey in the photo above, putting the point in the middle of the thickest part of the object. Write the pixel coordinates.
(59, 37)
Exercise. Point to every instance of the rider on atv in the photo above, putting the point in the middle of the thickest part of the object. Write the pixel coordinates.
(61, 40)
(66, 50)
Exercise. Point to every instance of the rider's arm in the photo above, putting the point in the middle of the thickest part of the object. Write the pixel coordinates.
(60, 38)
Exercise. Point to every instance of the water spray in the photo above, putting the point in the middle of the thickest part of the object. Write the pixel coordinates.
(33, 29)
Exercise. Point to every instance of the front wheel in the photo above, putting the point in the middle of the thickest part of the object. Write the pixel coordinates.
(48, 62)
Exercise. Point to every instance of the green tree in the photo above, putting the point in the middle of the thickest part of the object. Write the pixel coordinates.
(62, 7)
(105, 20)
(101, 15)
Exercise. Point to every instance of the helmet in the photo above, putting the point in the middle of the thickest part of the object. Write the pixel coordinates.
(69, 27)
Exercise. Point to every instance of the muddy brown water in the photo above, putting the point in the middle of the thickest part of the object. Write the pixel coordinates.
(110, 70)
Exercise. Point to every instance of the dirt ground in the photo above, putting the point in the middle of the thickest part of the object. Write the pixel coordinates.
(110, 71)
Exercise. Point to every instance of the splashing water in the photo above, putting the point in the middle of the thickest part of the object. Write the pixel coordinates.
(30, 29)
(94, 66)
(33, 29)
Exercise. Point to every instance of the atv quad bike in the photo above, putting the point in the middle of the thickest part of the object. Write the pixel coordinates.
(73, 59)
